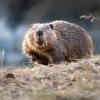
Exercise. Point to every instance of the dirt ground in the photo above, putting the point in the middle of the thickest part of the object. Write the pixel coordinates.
(65, 81)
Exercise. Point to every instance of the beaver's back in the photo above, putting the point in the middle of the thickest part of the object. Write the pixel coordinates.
(77, 41)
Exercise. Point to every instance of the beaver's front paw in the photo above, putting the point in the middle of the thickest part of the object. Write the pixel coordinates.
(33, 58)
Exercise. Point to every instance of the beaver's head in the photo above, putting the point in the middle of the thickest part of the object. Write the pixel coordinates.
(42, 35)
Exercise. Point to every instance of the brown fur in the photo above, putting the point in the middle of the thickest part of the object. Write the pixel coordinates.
(63, 41)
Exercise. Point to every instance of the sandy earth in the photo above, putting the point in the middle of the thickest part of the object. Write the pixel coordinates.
(73, 81)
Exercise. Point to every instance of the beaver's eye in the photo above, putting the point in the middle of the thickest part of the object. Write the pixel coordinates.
(51, 26)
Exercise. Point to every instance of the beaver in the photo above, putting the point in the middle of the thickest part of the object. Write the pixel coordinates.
(57, 41)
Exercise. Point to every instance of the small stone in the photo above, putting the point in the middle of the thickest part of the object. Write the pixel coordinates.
(10, 75)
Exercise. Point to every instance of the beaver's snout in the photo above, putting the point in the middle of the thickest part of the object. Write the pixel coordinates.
(39, 37)
(39, 33)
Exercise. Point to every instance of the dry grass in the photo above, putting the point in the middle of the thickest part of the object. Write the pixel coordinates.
(74, 81)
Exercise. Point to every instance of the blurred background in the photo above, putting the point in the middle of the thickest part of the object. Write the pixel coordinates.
(17, 15)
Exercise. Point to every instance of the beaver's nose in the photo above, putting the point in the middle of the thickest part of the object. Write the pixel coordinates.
(39, 33)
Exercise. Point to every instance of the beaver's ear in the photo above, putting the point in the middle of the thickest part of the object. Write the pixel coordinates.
(51, 26)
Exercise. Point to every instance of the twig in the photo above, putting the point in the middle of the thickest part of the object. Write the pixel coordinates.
(90, 17)
(3, 57)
